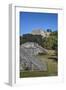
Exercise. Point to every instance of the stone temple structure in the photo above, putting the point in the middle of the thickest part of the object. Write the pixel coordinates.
(28, 59)
(41, 32)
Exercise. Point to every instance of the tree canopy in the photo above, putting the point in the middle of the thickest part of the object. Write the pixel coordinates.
(50, 42)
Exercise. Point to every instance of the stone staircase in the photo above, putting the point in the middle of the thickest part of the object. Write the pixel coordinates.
(26, 57)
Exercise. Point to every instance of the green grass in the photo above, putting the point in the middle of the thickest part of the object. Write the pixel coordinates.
(52, 66)
(33, 74)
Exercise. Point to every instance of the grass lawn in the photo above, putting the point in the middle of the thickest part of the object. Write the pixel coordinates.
(52, 65)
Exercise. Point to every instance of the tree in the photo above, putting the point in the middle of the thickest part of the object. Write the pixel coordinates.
(51, 41)
(31, 38)
(49, 30)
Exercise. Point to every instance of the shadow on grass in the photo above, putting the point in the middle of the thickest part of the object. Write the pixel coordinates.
(53, 58)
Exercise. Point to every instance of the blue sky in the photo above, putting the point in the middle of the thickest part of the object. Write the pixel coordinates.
(31, 20)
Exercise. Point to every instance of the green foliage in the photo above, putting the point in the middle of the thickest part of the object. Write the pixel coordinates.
(31, 38)
(50, 42)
